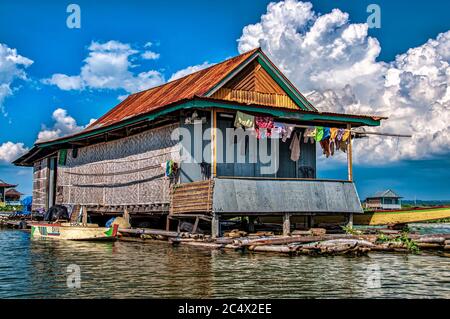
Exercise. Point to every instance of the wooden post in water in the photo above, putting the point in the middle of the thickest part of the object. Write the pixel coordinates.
(167, 223)
(126, 215)
(350, 221)
(215, 223)
(214, 142)
(350, 168)
(194, 228)
(84, 216)
(349, 155)
(286, 224)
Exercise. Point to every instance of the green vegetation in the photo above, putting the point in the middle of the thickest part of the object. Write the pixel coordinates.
(403, 238)
(351, 230)
(10, 208)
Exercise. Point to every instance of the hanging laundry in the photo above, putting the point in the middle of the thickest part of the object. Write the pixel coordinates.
(309, 135)
(333, 135)
(346, 135)
(326, 133)
(169, 164)
(343, 146)
(289, 128)
(264, 126)
(319, 133)
(243, 119)
(332, 146)
(325, 144)
(278, 129)
(295, 147)
(339, 135)
(282, 130)
(344, 140)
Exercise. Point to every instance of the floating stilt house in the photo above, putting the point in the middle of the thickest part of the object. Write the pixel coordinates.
(3, 191)
(133, 158)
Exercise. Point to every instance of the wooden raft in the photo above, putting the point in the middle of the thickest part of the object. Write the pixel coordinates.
(192, 198)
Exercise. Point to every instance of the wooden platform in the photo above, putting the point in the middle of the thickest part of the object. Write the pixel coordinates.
(192, 198)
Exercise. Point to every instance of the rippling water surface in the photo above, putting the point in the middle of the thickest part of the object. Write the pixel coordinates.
(38, 269)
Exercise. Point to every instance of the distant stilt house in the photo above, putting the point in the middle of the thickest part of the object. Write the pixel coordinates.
(384, 200)
(134, 159)
(3, 190)
(12, 197)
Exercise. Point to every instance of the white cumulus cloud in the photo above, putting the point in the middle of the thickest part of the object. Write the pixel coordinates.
(334, 62)
(108, 66)
(12, 67)
(189, 70)
(10, 151)
(64, 124)
(150, 55)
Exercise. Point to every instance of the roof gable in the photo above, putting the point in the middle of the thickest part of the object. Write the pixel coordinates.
(253, 84)
(387, 193)
(205, 83)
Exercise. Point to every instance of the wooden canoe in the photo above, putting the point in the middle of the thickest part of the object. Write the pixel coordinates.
(67, 231)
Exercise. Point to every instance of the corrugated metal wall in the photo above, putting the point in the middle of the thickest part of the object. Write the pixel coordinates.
(246, 196)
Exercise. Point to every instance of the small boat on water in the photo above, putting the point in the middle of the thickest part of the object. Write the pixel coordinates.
(69, 231)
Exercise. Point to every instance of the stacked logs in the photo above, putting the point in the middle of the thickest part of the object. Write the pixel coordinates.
(300, 244)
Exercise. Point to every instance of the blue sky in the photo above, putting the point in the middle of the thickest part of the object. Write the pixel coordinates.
(188, 33)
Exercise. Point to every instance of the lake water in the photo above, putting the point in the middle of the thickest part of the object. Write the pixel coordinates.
(39, 269)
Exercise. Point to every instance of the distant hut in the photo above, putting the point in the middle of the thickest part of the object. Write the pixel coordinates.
(130, 161)
(383, 200)
(12, 197)
(3, 190)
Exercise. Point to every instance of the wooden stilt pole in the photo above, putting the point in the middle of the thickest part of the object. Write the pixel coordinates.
(167, 223)
(214, 142)
(350, 221)
(126, 215)
(84, 216)
(194, 228)
(286, 224)
(215, 231)
(350, 155)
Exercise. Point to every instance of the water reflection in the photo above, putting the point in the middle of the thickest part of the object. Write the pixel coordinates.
(38, 269)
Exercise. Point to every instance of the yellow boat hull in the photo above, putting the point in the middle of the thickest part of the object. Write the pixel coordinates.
(66, 231)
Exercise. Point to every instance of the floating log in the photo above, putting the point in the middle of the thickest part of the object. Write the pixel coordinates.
(429, 245)
(273, 249)
(140, 231)
(274, 240)
(434, 240)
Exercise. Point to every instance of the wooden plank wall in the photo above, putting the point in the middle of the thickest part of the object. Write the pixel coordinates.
(192, 198)
(254, 85)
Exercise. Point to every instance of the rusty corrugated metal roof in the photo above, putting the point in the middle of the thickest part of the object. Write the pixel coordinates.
(195, 84)
(6, 185)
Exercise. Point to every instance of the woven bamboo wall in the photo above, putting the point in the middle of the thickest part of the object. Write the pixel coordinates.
(127, 171)
(40, 186)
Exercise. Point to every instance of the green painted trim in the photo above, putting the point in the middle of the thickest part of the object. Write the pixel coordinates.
(207, 104)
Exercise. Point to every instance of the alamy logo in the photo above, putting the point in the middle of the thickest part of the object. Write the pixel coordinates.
(73, 276)
(374, 19)
(73, 21)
